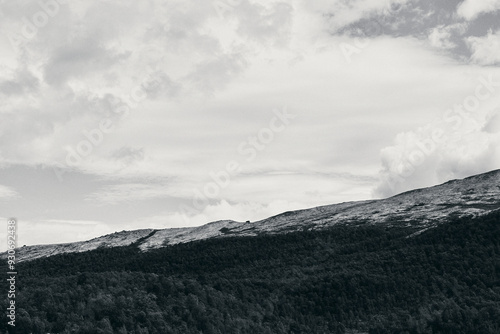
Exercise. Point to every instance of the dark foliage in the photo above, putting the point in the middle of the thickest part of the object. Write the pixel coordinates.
(364, 279)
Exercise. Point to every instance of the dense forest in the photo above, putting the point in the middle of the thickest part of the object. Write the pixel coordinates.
(347, 279)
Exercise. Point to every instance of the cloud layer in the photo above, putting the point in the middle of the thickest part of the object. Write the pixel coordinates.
(470, 9)
(174, 112)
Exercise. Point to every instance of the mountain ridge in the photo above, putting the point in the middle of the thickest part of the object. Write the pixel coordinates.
(421, 209)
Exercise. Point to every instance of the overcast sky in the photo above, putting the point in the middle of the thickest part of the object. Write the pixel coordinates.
(120, 114)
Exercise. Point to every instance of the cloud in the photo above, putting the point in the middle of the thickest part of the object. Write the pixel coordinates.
(443, 36)
(130, 192)
(216, 73)
(471, 9)
(79, 59)
(220, 210)
(23, 83)
(129, 155)
(485, 50)
(54, 231)
(492, 123)
(8, 193)
(440, 38)
(84, 63)
(185, 83)
(268, 26)
(341, 13)
(463, 141)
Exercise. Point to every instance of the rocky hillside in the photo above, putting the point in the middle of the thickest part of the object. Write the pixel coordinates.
(420, 209)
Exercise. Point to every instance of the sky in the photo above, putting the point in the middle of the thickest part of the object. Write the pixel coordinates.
(120, 115)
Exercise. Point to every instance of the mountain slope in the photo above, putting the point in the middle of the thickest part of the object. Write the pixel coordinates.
(421, 208)
(368, 279)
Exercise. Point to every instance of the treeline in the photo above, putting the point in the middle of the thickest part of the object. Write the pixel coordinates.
(364, 279)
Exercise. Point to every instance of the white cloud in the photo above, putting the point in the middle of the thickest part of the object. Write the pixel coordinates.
(442, 36)
(470, 9)
(8, 193)
(342, 13)
(407, 167)
(53, 231)
(485, 50)
(130, 192)
(464, 140)
(23, 82)
(218, 211)
(83, 60)
(61, 80)
(220, 75)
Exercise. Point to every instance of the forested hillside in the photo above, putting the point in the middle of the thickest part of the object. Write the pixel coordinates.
(346, 279)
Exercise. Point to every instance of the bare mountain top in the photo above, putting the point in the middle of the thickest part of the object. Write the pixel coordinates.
(421, 209)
